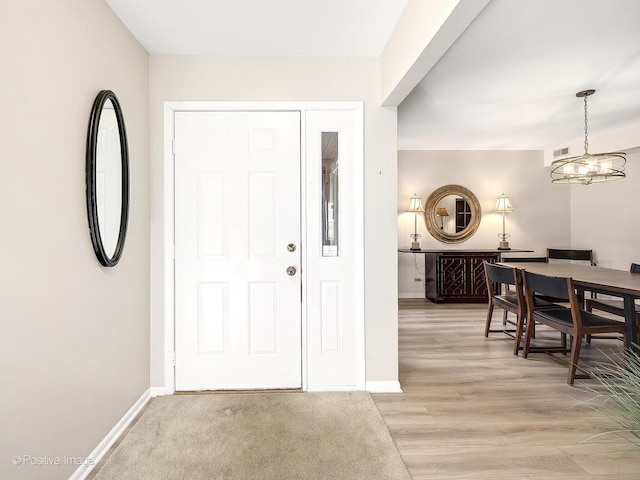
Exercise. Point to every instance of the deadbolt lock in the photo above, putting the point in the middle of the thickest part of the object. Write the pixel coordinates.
(291, 247)
(291, 271)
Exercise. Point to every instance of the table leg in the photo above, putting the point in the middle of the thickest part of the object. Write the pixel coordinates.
(631, 334)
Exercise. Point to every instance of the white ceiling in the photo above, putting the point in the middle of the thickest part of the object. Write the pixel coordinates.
(346, 28)
(508, 82)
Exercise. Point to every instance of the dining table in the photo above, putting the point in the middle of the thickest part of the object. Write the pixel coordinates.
(587, 278)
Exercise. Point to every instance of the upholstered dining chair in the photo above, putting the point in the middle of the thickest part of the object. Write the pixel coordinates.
(571, 254)
(512, 300)
(521, 260)
(509, 279)
(509, 300)
(572, 320)
(615, 306)
(525, 259)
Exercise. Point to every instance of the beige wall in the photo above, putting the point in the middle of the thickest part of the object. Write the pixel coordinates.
(604, 218)
(541, 219)
(74, 346)
(292, 79)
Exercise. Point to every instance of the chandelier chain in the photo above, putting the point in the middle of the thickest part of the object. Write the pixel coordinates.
(586, 137)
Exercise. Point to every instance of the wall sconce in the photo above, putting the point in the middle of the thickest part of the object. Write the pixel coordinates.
(504, 205)
(415, 207)
(442, 212)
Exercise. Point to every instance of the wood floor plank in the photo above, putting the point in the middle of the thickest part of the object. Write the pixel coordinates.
(472, 410)
(604, 459)
(488, 462)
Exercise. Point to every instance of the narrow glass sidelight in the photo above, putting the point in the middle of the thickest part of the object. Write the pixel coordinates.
(330, 204)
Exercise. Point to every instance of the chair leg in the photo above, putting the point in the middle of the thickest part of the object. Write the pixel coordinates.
(504, 318)
(527, 340)
(588, 309)
(533, 330)
(487, 325)
(519, 329)
(575, 354)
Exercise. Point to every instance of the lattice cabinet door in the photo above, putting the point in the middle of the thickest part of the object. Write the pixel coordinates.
(453, 276)
(460, 277)
(478, 283)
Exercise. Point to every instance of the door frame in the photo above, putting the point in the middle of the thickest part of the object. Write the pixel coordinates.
(168, 214)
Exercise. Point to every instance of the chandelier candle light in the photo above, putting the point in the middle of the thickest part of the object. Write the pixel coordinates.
(590, 167)
(503, 205)
(415, 207)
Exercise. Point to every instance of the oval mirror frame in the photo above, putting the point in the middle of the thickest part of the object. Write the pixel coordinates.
(90, 178)
(431, 207)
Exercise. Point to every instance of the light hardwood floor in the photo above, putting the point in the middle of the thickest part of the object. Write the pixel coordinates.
(472, 410)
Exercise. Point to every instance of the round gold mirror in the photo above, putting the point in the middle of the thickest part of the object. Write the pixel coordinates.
(452, 214)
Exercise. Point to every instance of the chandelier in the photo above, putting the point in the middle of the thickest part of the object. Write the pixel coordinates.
(590, 167)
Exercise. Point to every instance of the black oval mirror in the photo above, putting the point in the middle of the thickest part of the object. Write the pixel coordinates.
(107, 178)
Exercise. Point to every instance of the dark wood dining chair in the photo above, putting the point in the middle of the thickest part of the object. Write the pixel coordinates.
(521, 260)
(500, 277)
(509, 279)
(614, 306)
(540, 302)
(525, 259)
(572, 320)
(571, 254)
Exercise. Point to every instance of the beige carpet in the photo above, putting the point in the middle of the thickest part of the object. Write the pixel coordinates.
(324, 436)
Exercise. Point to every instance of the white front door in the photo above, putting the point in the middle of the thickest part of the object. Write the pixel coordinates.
(237, 232)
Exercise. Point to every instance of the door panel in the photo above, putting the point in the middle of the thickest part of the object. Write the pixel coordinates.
(334, 251)
(238, 312)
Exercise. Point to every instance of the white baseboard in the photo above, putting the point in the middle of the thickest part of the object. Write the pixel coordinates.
(159, 392)
(103, 447)
(383, 387)
(411, 295)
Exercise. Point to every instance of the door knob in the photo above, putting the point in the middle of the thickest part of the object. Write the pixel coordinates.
(291, 247)
(291, 271)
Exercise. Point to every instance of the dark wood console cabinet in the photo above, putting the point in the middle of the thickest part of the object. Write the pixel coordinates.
(457, 277)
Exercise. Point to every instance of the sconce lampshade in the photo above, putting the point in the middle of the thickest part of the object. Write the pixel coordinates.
(416, 204)
(442, 212)
(504, 204)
